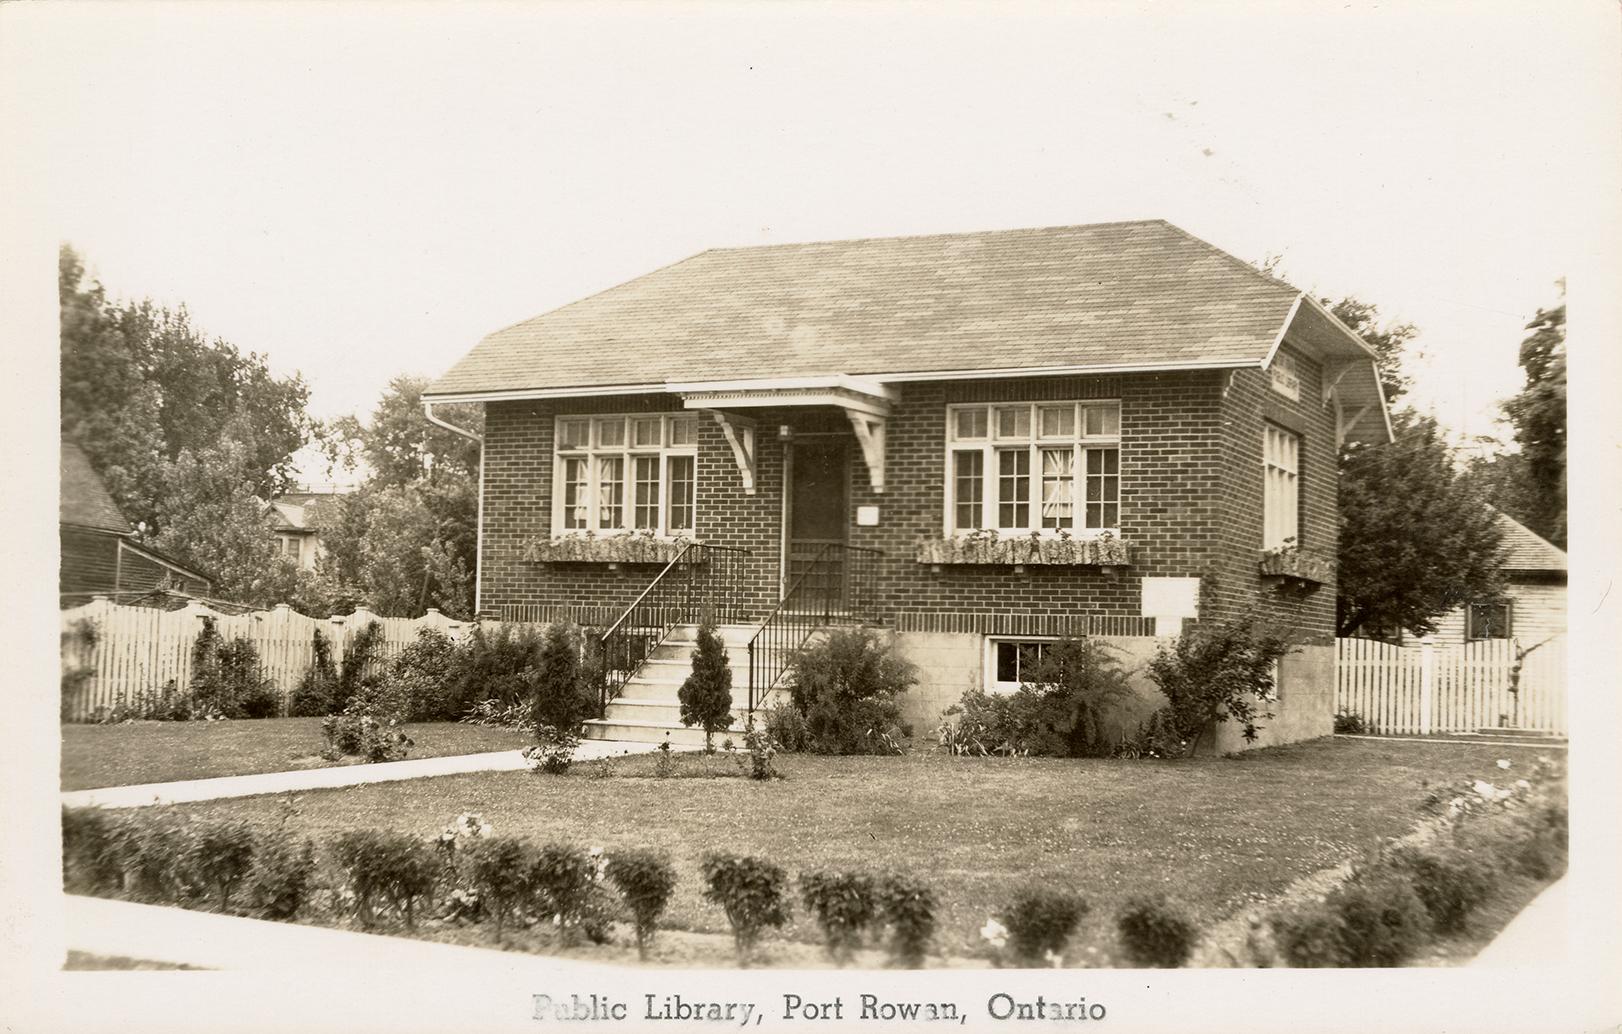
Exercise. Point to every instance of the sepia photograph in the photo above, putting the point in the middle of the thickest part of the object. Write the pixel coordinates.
(679, 515)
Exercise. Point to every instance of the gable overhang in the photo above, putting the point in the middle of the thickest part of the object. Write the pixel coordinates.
(1351, 376)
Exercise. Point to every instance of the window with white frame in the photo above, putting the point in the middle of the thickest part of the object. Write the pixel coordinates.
(1281, 471)
(1034, 466)
(1011, 663)
(1285, 375)
(626, 472)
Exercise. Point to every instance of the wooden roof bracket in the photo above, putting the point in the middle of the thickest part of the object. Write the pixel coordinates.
(1330, 384)
(1343, 423)
(869, 430)
(740, 434)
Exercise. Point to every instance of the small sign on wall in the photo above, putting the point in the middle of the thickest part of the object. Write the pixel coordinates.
(867, 516)
(1170, 601)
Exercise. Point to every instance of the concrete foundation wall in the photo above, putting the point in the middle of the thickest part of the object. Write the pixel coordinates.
(949, 663)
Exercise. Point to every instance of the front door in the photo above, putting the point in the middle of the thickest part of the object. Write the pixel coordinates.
(818, 505)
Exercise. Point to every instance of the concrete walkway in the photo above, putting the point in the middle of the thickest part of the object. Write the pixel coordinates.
(1536, 937)
(327, 778)
(157, 933)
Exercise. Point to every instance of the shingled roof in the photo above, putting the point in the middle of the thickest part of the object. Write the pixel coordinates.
(1524, 550)
(1131, 295)
(83, 500)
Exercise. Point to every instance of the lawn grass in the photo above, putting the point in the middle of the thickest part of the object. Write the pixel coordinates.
(157, 752)
(1215, 834)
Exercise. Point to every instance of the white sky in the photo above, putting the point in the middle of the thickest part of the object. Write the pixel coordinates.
(365, 191)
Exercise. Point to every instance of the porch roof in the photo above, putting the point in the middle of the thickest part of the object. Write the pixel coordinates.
(1109, 297)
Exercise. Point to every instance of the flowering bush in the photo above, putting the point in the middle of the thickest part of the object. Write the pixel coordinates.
(1035, 927)
(356, 733)
(752, 891)
(762, 750)
(554, 754)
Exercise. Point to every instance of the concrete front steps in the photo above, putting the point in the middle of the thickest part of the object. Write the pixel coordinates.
(648, 710)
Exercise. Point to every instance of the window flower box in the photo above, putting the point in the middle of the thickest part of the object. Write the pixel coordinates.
(981, 547)
(1295, 569)
(638, 547)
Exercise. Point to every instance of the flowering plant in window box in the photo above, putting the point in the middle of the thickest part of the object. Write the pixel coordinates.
(1289, 563)
(988, 546)
(624, 547)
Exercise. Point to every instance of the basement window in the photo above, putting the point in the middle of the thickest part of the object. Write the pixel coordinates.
(1010, 662)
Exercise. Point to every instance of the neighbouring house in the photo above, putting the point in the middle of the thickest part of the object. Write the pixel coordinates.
(1531, 608)
(980, 441)
(99, 553)
(294, 520)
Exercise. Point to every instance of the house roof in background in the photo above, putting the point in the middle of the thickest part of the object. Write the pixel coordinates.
(83, 499)
(1139, 295)
(1525, 550)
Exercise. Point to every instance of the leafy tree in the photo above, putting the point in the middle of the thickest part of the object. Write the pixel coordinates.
(1538, 414)
(140, 386)
(1417, 538)
(706, 696)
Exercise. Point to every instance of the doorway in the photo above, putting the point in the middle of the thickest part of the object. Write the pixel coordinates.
(818, 504)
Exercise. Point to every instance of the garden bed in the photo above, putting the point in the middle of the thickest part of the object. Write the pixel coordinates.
(131, 753)
(1218, 835)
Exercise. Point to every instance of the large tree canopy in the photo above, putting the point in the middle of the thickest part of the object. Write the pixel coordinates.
(406, 539)
(141, 385)
(1538, 414)
(1417, 539)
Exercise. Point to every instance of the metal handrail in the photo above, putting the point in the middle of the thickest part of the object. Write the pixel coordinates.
(845, 590)
(701, 580)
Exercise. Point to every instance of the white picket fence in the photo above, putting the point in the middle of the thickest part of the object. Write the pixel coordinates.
(141, 650)
(1423, 689)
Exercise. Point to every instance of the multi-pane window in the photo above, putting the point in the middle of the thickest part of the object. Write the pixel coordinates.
(622, 473)
(1013, 663)
(1041, 466)
(1281, 471)
(1488, 619)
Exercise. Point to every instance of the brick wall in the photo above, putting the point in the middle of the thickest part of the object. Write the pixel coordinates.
(1191, 497)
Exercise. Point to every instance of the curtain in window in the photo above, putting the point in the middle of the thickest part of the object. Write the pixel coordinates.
(1058, 487)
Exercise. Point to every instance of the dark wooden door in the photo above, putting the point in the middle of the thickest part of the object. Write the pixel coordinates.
(819, 502)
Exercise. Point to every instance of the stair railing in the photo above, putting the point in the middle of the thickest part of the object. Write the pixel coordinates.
(701, 580)
(839, 584)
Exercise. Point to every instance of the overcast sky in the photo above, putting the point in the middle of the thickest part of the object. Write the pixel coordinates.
(366, 191)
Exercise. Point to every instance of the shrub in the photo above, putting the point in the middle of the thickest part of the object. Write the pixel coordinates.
(556, 684)
(645, 880)
(1218, 673)
(154, 849)
(1374, 919)
(785, 724)
(762, 753)
(91, 861)
(560, 875)
(226, 679)
(1450, 882)
(1156, 737)
(1039, 924)
(283, 877)
(356, 733)
(221, 855)
(500, 873)
(1154, 933)
(554, 753)
(908, 908)
(317, 691)
(706, 695)
(1075, 686)
(752, 891)
(1351, 723)
(845, 685)
(845, 906)
(491, 666)
(421, 676)
(78, 641)
(1534, 839)
(1382, 921)
(386, 867)
(356, 674)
